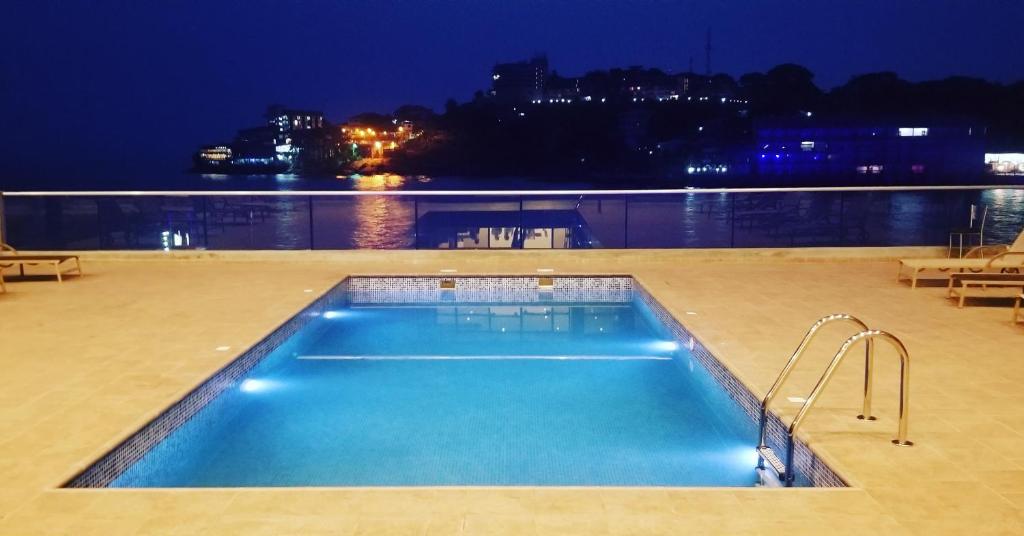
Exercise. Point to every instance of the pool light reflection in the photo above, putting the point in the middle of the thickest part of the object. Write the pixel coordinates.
(253, 385)
(331, 315)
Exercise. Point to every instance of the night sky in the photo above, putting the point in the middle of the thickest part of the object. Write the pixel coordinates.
(132, 87)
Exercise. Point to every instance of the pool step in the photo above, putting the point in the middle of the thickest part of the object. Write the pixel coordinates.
(768, 455)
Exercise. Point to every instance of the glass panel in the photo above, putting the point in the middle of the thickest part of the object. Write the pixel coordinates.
(364, 222)
(790, 219)
(257, 222)
(573, 222)
(911, 218)
(468, 222)
(603, 220)
(679, 221)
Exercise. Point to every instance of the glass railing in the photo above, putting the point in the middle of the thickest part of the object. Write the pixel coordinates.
(727, 218)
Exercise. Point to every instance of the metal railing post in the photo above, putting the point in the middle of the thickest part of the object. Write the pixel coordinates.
(311, 243)
(732, 220)
(3, 220)
(521, 233)
(206, 225)
(625, 223)
(842, 219)
(869, 372)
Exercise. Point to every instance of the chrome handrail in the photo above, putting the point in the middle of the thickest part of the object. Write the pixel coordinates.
(798, 353)
(904, 410)
(473, 193)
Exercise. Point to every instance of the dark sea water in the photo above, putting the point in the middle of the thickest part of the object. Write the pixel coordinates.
(285, 182)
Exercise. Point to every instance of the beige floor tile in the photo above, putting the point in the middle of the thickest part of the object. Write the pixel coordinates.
(88, 362)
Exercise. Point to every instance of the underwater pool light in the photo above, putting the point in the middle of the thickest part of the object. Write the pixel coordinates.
(330, 315)
(665, 346)
(253, 385)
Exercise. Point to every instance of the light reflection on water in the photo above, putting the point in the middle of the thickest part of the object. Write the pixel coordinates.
(366, 221)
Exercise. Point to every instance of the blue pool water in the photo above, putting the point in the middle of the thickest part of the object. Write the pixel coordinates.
(467, 394)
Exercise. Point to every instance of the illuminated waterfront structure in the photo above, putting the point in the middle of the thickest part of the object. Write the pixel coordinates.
(214, 156)
(1005, 163)
(890, 149)
(291, 139)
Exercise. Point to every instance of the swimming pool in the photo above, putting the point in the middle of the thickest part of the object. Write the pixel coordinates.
(397, 382)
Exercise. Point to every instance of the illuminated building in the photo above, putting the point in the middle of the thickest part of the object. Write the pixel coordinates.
(287, 120)
(377, 141)
(1005, 163)
(258, 147)
(521, 81)
(888, 149)
(289, 141)
(214, 156)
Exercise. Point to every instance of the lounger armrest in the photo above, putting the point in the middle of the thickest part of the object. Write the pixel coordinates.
(1004, 255)
(981, 251)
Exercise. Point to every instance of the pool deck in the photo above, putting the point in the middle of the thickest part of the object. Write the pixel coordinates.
(88, 362)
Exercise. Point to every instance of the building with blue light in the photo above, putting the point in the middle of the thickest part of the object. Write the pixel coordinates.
(290, 140)
(804, 146)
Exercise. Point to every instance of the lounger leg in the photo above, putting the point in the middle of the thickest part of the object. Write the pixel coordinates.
(913, 282)
(78, 266)
(56, 268)
(963, 296)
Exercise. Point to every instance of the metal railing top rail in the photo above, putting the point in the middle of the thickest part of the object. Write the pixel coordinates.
(492, 193)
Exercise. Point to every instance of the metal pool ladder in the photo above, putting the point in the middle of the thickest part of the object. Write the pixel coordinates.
(786, 470)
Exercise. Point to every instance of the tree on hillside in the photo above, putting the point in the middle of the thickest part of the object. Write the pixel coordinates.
(784, 89)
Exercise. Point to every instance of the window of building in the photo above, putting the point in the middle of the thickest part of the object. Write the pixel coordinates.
(861, 170)
(913, 131)
(917, 168)
(807, 145)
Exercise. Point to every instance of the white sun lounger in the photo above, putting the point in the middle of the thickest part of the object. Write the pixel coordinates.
(1011, 258)
(10, 257)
